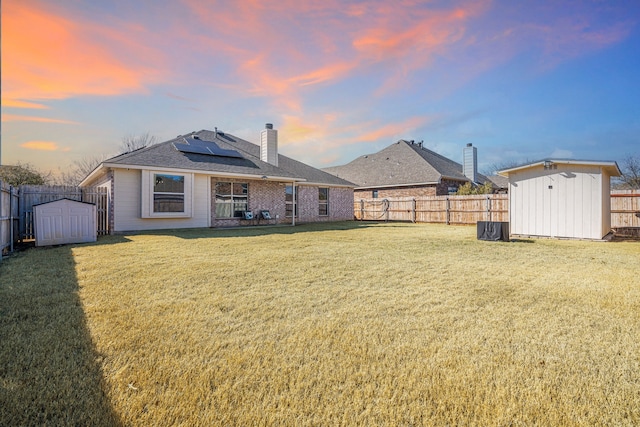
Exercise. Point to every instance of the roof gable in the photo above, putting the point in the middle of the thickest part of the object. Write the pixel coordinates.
(401, 163)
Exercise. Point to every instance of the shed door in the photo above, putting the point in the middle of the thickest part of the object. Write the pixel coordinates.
(50, 228)
(65, 222)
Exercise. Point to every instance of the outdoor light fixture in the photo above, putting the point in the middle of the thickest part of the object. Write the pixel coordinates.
(547, 164)
(264, 177)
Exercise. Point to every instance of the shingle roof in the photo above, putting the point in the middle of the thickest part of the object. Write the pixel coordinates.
(401, 163)
(165, 155)
(499, 181)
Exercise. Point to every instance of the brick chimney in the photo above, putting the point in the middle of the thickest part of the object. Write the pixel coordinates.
(269, 145)
(470, 162)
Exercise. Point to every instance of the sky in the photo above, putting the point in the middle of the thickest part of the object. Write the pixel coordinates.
(521, 80)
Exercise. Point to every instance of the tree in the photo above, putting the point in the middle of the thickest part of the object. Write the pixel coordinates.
(630, 169)
(467, 189)
(505, 164)
(22, 174)
(135, 142)
(78, 171)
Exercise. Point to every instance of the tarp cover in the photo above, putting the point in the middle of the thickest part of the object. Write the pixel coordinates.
(493, 231)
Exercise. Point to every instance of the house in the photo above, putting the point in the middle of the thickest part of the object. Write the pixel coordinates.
(213, 179)
(500, 183)
(408, 169)
(561, 198)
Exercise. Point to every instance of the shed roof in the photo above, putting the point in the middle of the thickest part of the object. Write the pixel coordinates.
(401, 163)
(609, 165)
(63, 199)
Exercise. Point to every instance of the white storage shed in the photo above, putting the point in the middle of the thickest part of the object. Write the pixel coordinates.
(561, 198)
(64, 221)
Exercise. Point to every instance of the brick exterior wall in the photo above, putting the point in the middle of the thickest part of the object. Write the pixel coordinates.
(340, 204)
(263, 195)
(270, 195)
(440, 189)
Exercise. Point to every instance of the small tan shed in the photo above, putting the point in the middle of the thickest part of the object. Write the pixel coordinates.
(561, 198)
(64, 221)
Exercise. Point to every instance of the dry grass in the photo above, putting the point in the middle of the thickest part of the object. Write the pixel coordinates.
(342, 324)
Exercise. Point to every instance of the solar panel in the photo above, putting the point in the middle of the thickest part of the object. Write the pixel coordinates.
(209, 148)
(186, 148)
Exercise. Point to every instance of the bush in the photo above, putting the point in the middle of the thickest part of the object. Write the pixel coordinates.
(468, 189)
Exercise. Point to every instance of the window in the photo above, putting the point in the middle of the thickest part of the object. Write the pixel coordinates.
(323, 201)
(232, 199)
(374, 194)
(168, 193)
(291, 204)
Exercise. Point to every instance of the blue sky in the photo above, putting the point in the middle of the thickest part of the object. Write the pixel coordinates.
(521, 80)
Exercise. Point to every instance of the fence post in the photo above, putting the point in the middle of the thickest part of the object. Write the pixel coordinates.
(361, 209)
(448, 210)
(386, 205)
(413, 210)
(488, 208)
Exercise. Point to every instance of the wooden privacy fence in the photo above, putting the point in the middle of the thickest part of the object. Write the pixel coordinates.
(9, 217)
(35, 194)
(625, 208)
(442, 209)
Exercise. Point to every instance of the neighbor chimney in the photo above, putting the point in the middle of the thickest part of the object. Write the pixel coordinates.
(470, 162)
(269, 145)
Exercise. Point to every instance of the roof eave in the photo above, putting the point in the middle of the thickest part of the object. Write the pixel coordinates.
(92, 175)
(326, 184)
(610, 166)
(367, 187)
(204, 172)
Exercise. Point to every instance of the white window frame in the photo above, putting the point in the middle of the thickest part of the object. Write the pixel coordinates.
(293, 203)
(147, 195)
(323, 202)
(233, 196)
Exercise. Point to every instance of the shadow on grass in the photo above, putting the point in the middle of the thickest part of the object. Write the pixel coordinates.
(262, 230)
(50, 372)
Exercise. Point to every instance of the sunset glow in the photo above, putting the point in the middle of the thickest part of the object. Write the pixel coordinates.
(337, 79)
(41, 146)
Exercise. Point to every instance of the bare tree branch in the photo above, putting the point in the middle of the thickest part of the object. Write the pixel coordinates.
(78, 170)
(135, 142)
(505, 164)
(630, 169)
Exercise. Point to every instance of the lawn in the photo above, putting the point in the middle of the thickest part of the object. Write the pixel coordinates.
(337, 324)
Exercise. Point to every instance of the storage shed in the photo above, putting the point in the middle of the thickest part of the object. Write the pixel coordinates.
(561, 198)
(64, 221)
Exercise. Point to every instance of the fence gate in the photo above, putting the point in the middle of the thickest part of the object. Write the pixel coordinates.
(9, 217)
(35, 194)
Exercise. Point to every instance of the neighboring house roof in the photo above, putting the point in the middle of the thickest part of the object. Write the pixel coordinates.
(609, 165)
(166, 155)
(400, 164)
(499, 181)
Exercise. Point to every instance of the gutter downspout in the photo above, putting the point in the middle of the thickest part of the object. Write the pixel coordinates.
(295, 204)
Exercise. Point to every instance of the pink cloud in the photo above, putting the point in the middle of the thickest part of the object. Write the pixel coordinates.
(19, 118)
(285, 49)
(16, 103)
(62, 56)
(42, 146)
